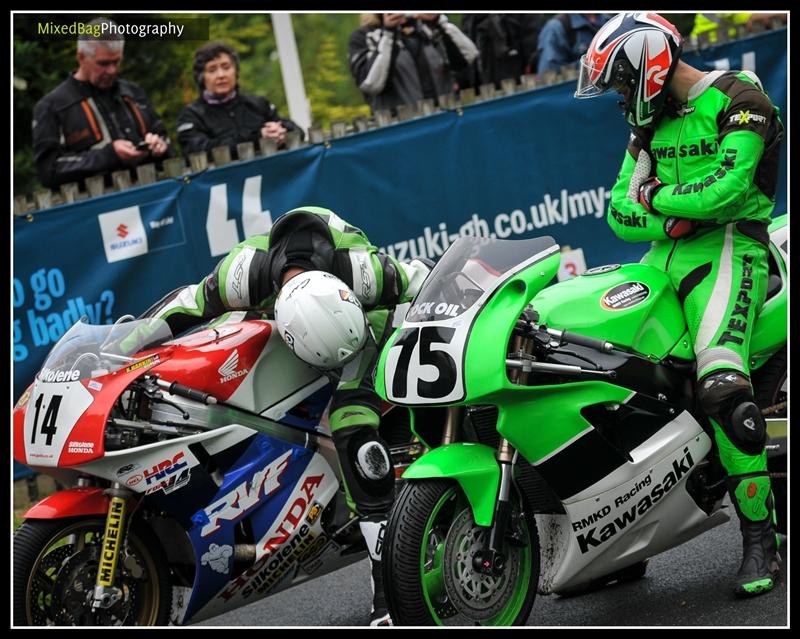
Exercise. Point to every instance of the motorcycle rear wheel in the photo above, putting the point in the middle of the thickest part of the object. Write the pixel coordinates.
(55, 567)
(431, 521)
(769, 387)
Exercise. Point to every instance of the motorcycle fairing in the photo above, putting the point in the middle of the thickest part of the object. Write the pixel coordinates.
(72, 415)
(264, 497)
(293, 539)
(638, 510)
(424, 361)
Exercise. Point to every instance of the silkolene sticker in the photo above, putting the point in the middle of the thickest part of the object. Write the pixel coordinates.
(624, 296)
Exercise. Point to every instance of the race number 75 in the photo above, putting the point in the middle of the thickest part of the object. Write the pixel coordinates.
(407, 375)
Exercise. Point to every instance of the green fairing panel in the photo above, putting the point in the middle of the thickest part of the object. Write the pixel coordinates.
(484, 363)
(770, 331)
(683, 349)
(538, 420)
(380, 370)
(634, 307)
(485, 367)
(473, 466)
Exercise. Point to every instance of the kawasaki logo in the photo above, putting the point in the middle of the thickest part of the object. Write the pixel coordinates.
(685, 150)
(228, 369)
(638, 221)
(624, 296)
(592, 538)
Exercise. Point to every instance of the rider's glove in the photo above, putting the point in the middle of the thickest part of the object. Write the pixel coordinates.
(647, 191)
(678, 227)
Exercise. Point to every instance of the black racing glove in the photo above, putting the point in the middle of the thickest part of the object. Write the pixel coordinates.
(678, 227)
(647, 192)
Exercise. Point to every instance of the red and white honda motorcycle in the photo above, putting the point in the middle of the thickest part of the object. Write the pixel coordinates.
(201, 475)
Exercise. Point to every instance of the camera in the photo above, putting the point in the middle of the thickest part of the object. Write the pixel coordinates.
(142, 146)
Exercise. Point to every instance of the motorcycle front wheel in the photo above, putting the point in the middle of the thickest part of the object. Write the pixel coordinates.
(55, 567)
(429, 575)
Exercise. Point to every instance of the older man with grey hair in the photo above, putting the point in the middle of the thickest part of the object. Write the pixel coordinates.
(94, 122)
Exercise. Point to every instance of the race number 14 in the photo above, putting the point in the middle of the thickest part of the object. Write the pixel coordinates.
(49, 419)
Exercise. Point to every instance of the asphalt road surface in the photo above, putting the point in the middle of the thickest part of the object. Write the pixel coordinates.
(687, 586)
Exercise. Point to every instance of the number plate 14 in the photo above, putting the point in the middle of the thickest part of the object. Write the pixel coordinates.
(51, 413)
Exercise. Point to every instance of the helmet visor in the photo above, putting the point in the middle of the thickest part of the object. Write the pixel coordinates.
(586, 87)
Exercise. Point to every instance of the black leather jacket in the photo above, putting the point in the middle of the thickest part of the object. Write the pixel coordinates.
(74, 125)
(203, 126)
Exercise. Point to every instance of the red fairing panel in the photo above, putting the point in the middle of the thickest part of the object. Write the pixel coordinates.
(216, 361)
(19, 426)
(87, 439)
(70, 503)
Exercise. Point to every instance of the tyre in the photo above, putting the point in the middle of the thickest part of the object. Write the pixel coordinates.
(769, 387)
(769, 383)
(55, 567)
(429, 578)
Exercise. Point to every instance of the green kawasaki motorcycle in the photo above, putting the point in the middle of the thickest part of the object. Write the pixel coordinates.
(565, 444)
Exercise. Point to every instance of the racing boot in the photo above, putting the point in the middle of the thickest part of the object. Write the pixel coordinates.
(752, 498)
(373, 528)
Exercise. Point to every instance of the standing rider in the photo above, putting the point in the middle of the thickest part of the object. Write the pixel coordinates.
(699, 180)
(324, 325)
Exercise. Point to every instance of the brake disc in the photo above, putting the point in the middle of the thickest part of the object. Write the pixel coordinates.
(474, 594)
(74, 588)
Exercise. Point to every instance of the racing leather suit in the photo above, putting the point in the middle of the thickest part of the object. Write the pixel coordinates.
(249, 279)
(717, 158)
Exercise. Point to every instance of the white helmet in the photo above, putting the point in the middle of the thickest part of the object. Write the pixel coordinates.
(321, 319)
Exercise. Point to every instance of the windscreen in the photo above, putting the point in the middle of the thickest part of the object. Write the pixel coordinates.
(88, 350)
(468, 268)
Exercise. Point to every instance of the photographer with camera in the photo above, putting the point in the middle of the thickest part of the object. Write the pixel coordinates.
(94, 122)
(400, 58)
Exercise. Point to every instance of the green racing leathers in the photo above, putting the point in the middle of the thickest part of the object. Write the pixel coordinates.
(717, 160)
(249, 277)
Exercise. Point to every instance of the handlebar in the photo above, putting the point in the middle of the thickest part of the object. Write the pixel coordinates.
(174, 388)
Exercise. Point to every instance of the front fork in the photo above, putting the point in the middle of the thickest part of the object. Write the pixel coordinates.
(105, 593)
(491, 560)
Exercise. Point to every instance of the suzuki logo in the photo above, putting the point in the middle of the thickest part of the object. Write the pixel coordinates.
(122, 231)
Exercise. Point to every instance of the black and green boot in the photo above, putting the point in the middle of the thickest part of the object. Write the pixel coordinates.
(751, 496)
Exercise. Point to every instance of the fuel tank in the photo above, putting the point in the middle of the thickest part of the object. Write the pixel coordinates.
(633, 306)
(244, 364)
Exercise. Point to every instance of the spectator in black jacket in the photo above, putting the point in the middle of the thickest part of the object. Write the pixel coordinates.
(222, 115)
(507, 42)
(94, 122)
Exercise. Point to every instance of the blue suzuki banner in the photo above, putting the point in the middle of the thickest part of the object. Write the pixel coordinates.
(534, 163)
